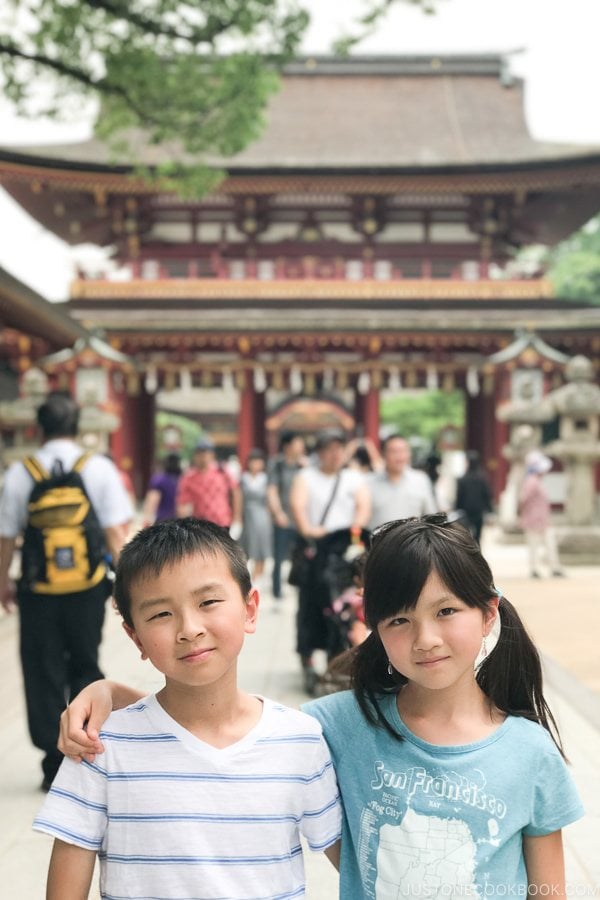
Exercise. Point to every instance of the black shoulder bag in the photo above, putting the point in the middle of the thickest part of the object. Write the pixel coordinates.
(304, 549)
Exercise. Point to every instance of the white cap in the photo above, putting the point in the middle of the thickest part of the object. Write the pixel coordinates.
(537, 462)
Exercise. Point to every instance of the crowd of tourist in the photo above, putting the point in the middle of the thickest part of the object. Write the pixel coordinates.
(314, 502)
(255, 502)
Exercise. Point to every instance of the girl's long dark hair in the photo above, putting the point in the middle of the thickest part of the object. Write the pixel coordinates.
(401, 558)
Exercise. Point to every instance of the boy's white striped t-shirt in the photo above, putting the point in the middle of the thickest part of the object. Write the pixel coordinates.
(172, 817)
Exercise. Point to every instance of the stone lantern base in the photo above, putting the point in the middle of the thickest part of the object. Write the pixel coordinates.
(579, 545)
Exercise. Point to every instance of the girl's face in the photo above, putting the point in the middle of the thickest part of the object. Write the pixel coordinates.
(256, 465)
(435, 645)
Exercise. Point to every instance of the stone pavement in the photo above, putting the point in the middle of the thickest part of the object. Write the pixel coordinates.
(563, 616)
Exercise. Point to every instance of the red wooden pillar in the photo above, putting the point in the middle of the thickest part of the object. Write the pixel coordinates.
(246, 418)
(486, 434)
(259, 431)
(366, 413)
(371, 416)
(132, 445)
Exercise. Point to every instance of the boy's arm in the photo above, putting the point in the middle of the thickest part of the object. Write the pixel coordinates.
(70, 873)
(333, 854)
(82, 720)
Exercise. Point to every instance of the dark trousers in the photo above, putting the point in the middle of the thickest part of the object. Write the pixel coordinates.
(475, 526)
(311, 623)
(282, 543)
(59, 641)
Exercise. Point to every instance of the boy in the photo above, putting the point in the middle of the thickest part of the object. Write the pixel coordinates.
(202, 790)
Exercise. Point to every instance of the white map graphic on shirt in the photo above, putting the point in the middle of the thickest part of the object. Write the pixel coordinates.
(425, 856)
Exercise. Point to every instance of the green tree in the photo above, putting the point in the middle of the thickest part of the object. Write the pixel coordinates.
(194, 75)
(575, 264)
(423, 414)
(189, 430)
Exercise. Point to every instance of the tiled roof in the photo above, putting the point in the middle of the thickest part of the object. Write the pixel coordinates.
(384, 113)
(24, 309)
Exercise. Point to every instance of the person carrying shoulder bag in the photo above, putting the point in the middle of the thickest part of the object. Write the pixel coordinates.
(324, 498)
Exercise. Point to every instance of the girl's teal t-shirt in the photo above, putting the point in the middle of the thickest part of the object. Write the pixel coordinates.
(428, 821)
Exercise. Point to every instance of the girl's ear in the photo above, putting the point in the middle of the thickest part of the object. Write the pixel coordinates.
(490, 615)
(130, 632)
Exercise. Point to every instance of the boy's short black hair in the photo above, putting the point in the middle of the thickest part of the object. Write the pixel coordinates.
(169, 542)
(58, 416)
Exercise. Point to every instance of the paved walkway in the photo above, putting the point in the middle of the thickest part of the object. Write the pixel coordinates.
(563, 615)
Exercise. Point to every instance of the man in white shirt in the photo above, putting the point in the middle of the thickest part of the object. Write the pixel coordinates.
(60, 632)
(324, 498)
(399, 492)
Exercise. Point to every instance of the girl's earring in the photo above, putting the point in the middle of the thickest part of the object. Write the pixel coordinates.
(390, 668)
(484, 651)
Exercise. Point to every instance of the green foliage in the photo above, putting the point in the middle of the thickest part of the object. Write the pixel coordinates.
(192, 76)
(423, 413)
(575, 265)
(190, 433)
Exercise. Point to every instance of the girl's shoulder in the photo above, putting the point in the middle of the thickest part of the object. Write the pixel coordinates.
(531, 737)
(336, 712)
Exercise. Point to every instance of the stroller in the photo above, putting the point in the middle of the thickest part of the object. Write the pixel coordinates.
(341, 559)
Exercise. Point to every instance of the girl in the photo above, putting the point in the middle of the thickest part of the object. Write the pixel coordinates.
(451, 772)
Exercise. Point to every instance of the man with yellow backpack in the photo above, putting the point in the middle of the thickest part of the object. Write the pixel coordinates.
(72, 509)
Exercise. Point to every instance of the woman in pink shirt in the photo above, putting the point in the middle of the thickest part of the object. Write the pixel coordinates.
(535, 514)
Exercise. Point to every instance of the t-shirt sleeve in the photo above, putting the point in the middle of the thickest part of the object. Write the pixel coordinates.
(107, 492)
(75, 809)
(332, 716)
(321, 822)
(184, 492)
(555, 800)
(274, 472)
(156, 482)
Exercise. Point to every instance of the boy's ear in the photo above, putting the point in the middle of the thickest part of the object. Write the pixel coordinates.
(130, 632)
(252, 604)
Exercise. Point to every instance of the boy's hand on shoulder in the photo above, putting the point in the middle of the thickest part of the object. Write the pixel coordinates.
(81, 721)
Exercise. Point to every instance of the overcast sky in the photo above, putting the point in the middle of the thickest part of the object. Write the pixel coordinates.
(559, 60)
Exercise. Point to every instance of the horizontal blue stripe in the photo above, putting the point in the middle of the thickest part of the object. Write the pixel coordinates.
(140, 706)
(324, 845)
(128, 859)
(70, 836)
(314, 814)
(292, 739)
(210, 777)
(82, 801)
(150, 738)
(215, 818)
(299, 892)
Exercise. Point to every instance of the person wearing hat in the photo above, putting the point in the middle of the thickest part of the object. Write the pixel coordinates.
(535, 514)
(324, 498)
(207, 490)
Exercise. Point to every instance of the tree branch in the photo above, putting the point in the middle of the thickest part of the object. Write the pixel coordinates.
(101, 86)
(160, 29)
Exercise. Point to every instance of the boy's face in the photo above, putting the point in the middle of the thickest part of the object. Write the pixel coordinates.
(190, 620)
